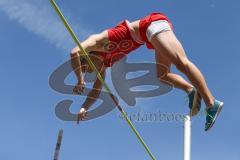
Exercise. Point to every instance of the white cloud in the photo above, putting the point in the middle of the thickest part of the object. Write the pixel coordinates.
(40, 19)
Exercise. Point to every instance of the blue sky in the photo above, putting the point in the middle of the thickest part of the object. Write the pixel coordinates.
(34, 43)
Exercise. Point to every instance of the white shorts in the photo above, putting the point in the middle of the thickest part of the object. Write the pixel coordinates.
(157, 27)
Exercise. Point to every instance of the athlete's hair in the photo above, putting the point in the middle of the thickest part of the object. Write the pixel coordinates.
(94, 56)
(83, 58)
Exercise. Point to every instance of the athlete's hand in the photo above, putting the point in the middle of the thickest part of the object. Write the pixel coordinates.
(82, 115)
(79, 88)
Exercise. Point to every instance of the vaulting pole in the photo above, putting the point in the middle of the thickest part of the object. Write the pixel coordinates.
(100, 77)
(58, 145)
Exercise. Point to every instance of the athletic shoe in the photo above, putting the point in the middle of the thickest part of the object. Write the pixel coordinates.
(212, 114)
(194, 102)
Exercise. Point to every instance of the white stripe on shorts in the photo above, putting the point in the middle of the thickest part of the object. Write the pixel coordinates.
(157, 27)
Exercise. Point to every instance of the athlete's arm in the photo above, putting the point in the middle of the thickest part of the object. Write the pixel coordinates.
(94, 42)
(76, 65)
(94, 93)
(92, 97)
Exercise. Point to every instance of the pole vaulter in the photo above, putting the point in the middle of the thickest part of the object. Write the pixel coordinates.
(156, 31)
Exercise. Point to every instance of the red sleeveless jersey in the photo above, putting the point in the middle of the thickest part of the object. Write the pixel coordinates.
(122, 41)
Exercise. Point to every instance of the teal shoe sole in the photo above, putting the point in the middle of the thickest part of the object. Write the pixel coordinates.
(196, 104)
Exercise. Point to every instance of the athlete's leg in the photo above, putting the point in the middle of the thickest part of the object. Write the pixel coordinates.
(163, 66)
(171, 48)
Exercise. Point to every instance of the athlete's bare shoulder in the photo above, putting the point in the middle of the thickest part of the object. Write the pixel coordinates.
(135, 26)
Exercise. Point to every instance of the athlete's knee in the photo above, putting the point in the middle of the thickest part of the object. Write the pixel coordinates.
(163, 78)
(163, 74)
(182, 64)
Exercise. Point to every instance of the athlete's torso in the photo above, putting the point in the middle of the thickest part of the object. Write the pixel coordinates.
(122, 41)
